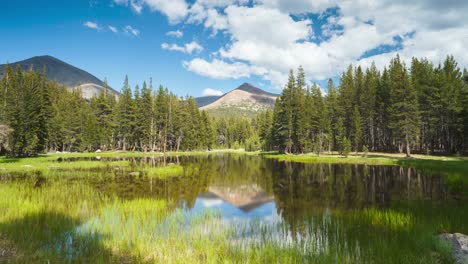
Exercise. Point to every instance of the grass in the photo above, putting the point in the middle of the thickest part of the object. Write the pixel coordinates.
(61, 221)
(428, 163)
(81, 225)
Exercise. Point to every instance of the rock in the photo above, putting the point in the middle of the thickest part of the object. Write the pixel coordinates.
(134, 173)
(459, 243)
(98, 151)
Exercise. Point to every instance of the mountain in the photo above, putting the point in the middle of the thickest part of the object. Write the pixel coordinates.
(246, 100)
(63, 73)
(206, 100)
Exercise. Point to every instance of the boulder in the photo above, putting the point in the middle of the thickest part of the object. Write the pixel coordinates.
(459, 243)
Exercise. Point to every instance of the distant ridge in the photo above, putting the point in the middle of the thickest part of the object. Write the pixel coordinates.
(206, 100)
(246, 100)
(254, 90)
(62, 73)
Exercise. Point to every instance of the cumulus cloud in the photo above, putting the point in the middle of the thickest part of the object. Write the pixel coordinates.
(211, 92)
(299, 6)
(188, 48)
(175, 34)
(175, 10)
(269, 37)
(266, 38)
(131, 30)
(92, 25)
(218, 69)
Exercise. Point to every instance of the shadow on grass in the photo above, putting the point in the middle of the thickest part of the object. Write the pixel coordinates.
(9, 160)
(51, 237)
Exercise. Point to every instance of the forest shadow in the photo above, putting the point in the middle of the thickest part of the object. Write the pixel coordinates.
(52, 237)
(9, 160)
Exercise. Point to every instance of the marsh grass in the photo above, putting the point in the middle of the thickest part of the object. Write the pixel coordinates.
(61, 220)
(64, 222)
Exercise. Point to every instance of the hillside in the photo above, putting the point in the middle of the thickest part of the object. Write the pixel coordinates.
(246, 100)
(63, 73)
(206, 100)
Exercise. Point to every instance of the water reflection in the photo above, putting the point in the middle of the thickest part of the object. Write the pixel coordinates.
(316, 208)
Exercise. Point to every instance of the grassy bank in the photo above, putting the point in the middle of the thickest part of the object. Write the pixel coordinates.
(435, 164)
(122, 161)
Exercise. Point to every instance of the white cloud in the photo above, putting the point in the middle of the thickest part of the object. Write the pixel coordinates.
(176, 34)
(92, 25)
(265, 25)
(210, 203)
(188, 48)
(265, 40)
(218, 69)
(211, 92)
(131, 30)
(298, 6)
(175, 10)
(113, 29)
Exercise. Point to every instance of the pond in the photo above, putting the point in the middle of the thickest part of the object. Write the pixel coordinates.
(231, 208)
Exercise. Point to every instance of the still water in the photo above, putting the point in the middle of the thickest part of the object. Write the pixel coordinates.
(241, 186)
(345, 212)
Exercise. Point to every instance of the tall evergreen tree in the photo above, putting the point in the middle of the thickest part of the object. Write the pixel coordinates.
(403, 109)
(125, 116)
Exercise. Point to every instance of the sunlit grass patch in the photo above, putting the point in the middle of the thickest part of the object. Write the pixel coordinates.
(47, 164)
(387, 218)
(164, 171)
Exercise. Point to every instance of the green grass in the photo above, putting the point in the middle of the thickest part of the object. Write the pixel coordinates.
(435, 164)
(64, 221)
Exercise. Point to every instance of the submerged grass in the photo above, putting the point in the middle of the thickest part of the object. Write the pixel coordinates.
(64, 221)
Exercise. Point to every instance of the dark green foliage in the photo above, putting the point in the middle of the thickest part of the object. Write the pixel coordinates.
(26, 110)
(421, 109)
(38, 115)
(346, 147)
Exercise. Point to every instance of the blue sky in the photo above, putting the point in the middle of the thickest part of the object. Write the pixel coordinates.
(220, 44)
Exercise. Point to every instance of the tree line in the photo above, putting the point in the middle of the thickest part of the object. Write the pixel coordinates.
(38, 115)
(421, 108)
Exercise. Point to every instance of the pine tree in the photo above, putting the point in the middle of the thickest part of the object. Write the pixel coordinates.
(356, 129)
(347, 98)
(333, 111)
(452, 104)
(298, 130)
(146, 117)
(367, 106)
(404, 113)
(282, 117)
(103, 106)
(125, 116)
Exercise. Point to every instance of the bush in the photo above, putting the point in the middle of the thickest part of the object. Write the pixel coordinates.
(253, 143)
(365, 151)
(318, 145)
(346, 147)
